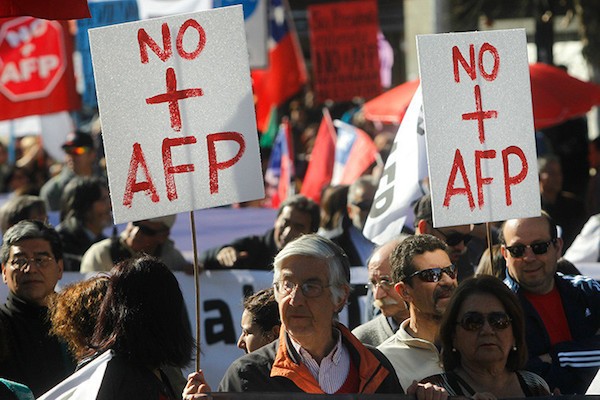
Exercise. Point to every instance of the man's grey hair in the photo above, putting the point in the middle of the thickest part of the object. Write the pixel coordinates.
(27, 230)
(315, 246)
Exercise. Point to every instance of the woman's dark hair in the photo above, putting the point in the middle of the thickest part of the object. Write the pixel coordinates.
(79, 195)
(486, 285)
(263, 308)
(143, 315)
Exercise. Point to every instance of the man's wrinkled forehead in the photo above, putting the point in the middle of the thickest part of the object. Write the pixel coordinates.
(380, 260)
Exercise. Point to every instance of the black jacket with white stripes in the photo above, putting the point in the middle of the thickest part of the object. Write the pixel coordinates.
(576, 362)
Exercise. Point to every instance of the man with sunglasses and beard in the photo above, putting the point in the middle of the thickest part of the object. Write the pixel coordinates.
(149, 236)
(562, 312)
(425, 278)
(464, 252)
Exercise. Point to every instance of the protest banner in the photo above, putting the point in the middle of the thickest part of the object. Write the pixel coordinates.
(479, 124)
(177, 113)
(36, 69)
(344, 51)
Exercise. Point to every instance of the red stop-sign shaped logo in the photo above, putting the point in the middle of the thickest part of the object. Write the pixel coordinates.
(32, 58)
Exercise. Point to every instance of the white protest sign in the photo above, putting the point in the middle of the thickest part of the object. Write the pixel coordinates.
(177, 113)
(479, 125)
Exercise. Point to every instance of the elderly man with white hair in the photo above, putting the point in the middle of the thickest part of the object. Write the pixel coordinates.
(314, 352)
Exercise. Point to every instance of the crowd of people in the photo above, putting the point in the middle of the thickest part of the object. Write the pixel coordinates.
(443, 317)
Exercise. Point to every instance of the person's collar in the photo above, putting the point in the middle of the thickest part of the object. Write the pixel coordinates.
(514, 285)
(393, 323)
(510, 282)
(425, 329)
(15, 303)
(334, 354)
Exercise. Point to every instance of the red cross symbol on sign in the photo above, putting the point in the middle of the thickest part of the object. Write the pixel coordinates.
(172, 96)
(479, 114)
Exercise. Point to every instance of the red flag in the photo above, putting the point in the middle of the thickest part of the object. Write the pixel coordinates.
(320, 168)
(286, 73)
(362, 154)
(46, 9)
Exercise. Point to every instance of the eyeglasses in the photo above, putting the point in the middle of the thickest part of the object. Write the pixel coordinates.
(434, 274)
(385, 283)
(518, 250)
(77, 151)
(145, 230)
(473, 320)
(308, 289)
(454, 238)
(21, 263)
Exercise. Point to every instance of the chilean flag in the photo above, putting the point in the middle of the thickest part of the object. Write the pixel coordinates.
(280, 172)
(286, 73)
(354, 153)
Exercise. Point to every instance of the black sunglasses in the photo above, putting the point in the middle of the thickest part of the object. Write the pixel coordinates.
(434, 274)
(454, 238)
(518, 250)
(473, 320)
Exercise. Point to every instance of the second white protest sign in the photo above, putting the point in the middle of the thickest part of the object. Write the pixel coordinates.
(479, 126)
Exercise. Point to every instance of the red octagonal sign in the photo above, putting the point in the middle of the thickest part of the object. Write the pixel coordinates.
(32, 58)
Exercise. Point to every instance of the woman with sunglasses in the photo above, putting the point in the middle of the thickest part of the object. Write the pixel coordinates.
(483, 344)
